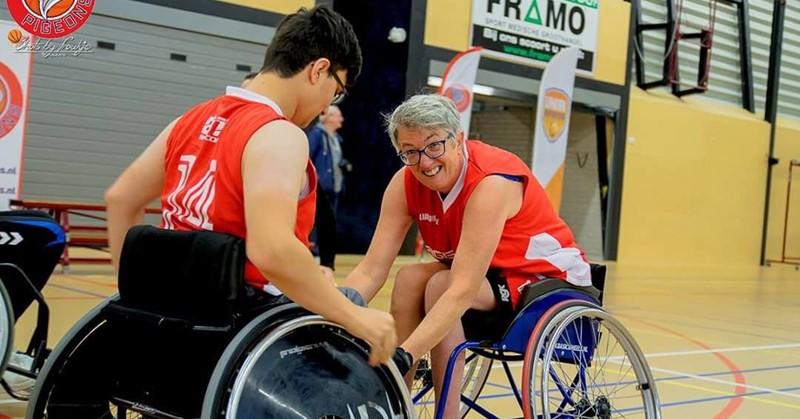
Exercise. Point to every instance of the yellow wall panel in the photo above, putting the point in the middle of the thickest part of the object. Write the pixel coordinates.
(283, 7)
(694, 183)
(787, 148)
(448, 22)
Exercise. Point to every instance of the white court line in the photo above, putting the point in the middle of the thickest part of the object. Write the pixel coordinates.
(684, 353)
(730, 383)
(725, 350)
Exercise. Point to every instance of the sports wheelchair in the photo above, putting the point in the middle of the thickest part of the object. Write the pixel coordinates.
(186, 338)
(577, 360)
(31, 244)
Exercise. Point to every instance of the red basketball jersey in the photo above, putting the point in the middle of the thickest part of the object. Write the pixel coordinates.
(203, 187)
(535, 243)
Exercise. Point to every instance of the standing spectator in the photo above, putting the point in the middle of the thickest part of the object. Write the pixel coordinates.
(325, 148)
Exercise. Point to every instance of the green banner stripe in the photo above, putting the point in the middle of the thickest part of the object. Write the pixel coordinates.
(592, 4)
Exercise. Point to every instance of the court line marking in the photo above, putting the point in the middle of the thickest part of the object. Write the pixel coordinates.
(79, 291)
(729, 383)
(723, 350)
(705, 374)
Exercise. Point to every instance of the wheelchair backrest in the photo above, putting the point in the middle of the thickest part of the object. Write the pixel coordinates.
(197, 276)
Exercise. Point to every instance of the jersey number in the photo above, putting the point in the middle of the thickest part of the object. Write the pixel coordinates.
(194, 200)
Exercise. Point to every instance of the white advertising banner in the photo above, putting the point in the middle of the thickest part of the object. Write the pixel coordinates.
(534, 31)
(553, 110)
(15, 69)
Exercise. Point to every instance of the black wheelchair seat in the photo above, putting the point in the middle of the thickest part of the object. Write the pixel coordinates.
(492, 326)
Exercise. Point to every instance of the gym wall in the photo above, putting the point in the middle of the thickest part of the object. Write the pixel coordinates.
(693, 191)
(695, 178)
(91, 115)
(787, 148)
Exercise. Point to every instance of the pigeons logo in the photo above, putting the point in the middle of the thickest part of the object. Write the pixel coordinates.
(10, 100)
(50, 18)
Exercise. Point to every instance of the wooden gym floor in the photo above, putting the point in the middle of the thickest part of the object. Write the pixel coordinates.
(722, 343)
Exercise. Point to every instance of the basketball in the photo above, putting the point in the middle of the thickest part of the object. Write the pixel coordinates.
(14, 36)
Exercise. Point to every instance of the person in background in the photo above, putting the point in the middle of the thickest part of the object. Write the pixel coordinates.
(325, 149)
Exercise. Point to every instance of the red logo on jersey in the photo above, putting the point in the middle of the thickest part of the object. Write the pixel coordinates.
(50, 18)
(460, 95)
(10, 100)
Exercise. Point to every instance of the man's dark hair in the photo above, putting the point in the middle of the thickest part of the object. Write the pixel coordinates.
(308, 35)
(250, 75)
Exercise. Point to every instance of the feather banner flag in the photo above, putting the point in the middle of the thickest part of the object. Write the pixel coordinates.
(553, 110)
(458, 82)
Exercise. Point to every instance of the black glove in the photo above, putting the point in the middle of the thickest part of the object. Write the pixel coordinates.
(403, 360)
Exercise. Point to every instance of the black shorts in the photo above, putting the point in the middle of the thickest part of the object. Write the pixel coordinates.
(491, 325)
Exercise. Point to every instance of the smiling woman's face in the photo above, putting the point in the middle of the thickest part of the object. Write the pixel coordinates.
(441, 173)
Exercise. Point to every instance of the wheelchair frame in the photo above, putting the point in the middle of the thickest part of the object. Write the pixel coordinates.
(227, 380)
(37, 344)
(539, 328)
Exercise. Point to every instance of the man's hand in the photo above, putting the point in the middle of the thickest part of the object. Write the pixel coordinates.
(377, 328)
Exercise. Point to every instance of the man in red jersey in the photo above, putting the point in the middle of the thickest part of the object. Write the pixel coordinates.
(239, 164)
(483, 217)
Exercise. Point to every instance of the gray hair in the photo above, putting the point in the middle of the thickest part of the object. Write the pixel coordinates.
(324, 116)
(424, 111)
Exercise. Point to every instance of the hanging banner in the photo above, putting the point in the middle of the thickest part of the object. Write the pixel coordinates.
(553, 110)
(532, 32)
(458, 82)
(14, 78)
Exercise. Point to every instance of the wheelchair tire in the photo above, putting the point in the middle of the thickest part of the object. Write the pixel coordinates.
(582, 391)
(6, 328)
(64, 388)
(288, 363)
(476, 373)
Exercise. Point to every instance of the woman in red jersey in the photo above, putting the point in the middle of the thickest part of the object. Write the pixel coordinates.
(483, 217)
(239, 164)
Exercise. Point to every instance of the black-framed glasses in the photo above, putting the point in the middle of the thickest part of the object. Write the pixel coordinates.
(433, 150)
(340, 95)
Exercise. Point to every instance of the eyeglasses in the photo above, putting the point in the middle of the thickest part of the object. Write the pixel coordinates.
(340, 95)
(433, 150)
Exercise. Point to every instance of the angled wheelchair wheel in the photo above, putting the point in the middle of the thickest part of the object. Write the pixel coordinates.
(476, 372)
(73, 382)
(6, 328)
(583, 363)
(302, 366)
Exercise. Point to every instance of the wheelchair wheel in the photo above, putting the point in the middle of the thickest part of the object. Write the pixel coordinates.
(476, 372)
(304, 366)
(582, 362)
(72, 382)
(6, 328)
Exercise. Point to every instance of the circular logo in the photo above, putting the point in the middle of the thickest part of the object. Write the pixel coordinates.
(460, 95)
(10, 100)
(50, 18)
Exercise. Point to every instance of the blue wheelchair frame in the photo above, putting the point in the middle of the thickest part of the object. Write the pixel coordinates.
(515, 341)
